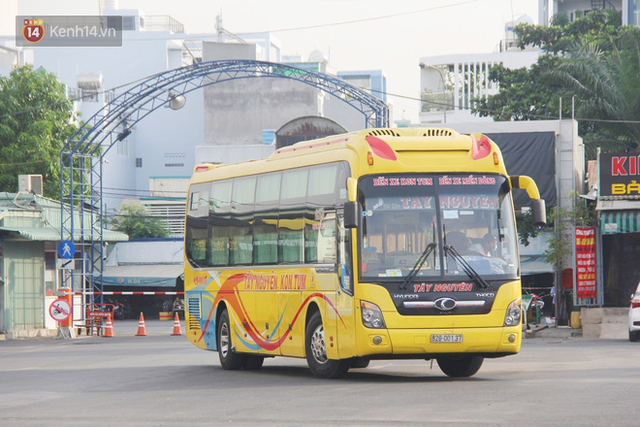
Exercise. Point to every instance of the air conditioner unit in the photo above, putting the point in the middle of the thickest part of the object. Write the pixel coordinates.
(30, 184)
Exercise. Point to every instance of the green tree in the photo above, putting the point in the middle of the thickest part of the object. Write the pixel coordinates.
(36, 120)
(560, 244)
(606, 84)
(592, 60)
(525, 93)
(598, 26)
(135, 221)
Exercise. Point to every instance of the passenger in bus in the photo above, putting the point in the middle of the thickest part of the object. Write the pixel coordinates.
(459, 241)
(370, 258)
(486, 246)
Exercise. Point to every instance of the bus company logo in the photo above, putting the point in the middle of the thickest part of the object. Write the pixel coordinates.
(406, 296)
(445, 304)
(485, 295)
(443, 287)
(33, 30)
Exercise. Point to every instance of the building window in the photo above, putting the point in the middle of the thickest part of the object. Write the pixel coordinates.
(361, 81)
(128, 23)
(174, 160)
(122, 148)
(138, 162)
(88, 95)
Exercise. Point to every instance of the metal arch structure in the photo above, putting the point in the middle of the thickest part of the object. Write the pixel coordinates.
(82, 216)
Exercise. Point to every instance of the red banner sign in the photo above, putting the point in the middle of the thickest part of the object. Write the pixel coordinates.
(585, 262)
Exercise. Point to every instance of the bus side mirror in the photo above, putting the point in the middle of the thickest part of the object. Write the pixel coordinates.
(538, 212)
(351, 214)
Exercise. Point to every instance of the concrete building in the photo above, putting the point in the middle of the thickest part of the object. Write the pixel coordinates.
(575, 8)
(448, 84)
(239, 113)
(229, 125)
(10, 57)
(160, 146)
(373, 81)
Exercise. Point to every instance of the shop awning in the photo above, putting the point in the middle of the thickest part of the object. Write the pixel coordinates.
(619, 215)
(48, 234)
(157, 275)
(614, 222)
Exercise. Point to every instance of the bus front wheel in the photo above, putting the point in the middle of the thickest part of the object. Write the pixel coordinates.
(460, 366)
(229, 359)
(316, 351)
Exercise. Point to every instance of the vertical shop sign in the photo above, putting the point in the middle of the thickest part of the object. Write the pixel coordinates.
(585, 262)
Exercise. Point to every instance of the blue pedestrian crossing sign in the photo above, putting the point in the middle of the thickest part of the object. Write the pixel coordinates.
(66, 249)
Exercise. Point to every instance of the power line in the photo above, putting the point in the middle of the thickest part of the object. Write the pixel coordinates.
(55, 104)
(486, 110)
(411, 98)
(21, 163)
(374, 18)
(146, 191)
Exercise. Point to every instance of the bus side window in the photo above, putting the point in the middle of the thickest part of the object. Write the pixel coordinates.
(320, 238)
(242, 217)
(219, 221)
(265, 224)
(265, 243)
(241, 249)
(197, 225)
(310, 238)
(219, 252)
(291, 218)
(320, 222)
(291, 242)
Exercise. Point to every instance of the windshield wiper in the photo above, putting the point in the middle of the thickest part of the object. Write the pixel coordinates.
(471, 272)
(418, 265)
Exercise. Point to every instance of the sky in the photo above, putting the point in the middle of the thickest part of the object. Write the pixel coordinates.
(384, 35)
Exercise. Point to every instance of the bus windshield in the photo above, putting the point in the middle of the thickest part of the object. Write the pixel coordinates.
(437, 226)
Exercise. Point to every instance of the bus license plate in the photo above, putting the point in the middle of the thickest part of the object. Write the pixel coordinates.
(446, 338)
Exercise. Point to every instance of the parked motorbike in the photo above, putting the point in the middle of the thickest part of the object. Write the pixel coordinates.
(121, 309)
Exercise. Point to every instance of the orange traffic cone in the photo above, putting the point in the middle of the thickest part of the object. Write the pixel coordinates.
(107, 329)
(176, 326)
(142, 329)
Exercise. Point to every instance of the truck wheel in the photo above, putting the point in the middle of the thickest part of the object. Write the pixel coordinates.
(460, 366)
(229, 359)
(316, 351)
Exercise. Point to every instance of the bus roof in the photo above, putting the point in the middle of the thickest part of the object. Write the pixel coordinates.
(390, 149)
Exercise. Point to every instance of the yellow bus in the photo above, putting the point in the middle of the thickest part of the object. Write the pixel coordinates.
(394, 243)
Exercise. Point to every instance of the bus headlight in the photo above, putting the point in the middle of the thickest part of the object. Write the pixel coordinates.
(514, 313)
(371, 315)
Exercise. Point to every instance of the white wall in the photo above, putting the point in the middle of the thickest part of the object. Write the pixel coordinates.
(165, 137)
(463, 93)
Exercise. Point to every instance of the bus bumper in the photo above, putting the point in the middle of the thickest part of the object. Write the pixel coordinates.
(418, 343)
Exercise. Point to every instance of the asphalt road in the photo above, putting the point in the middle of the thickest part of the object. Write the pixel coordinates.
(162, 380)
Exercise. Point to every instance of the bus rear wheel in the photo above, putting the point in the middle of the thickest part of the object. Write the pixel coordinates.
(229, 359)
(316, 351)
(460, 366)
